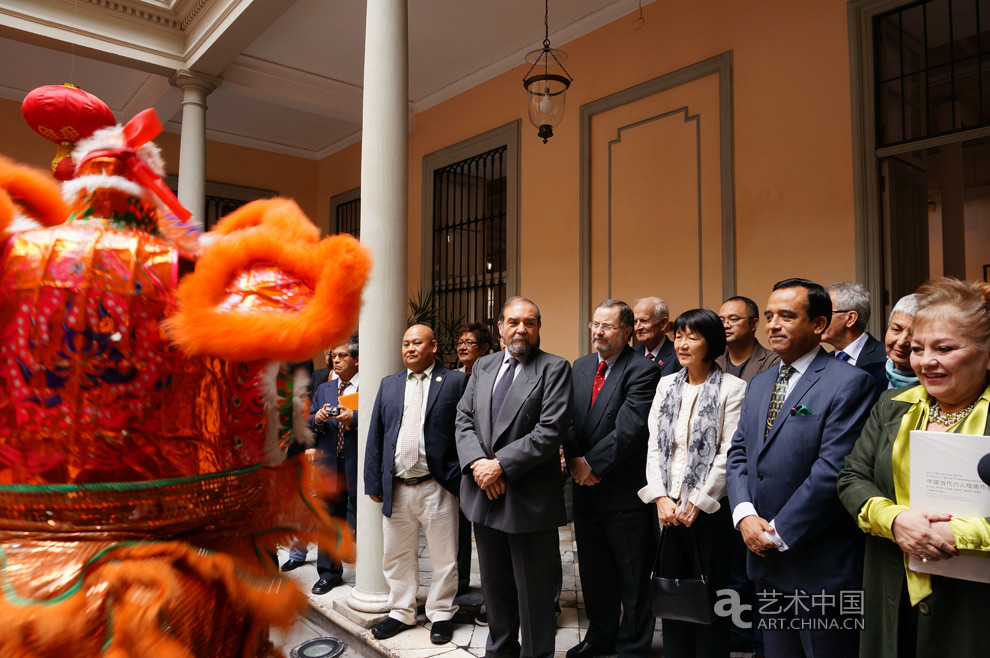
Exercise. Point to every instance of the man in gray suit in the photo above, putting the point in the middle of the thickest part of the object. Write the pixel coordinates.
(511, 423)
(744, 356)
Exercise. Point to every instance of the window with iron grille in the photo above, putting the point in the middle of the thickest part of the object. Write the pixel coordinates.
(470, 266)
(346, 213)
(217, 207)
(932, 69)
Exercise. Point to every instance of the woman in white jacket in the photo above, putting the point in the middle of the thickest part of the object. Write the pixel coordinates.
(691, 423)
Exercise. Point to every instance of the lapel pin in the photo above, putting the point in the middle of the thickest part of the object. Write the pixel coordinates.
(439, 378)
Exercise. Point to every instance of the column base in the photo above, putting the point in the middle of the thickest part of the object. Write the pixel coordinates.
(368, 601)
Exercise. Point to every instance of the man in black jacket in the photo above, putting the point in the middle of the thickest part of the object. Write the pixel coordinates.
(606, 454)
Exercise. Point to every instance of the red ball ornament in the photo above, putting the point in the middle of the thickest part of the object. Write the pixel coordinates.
(65, 114)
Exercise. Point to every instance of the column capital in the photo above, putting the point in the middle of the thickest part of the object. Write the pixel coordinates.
(184, 79)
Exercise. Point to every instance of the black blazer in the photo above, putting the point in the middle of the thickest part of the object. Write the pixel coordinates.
(873, 359)
(446, 388)
(666, 357)
(326, 439)
(612, 434)
(526, 440)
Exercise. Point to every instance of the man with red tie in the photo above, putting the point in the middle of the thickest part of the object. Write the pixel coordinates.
(606, 454)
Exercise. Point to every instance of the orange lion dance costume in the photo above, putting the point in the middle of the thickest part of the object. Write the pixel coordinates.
(144, 408)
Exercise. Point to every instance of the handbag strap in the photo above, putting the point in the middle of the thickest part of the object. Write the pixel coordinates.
(695, 557)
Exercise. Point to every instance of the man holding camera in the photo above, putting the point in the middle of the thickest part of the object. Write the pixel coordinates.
(335, 428)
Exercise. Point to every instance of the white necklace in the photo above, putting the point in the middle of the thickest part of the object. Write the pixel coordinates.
(936, 415)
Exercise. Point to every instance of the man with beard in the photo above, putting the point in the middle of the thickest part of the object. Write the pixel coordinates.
(510, 424)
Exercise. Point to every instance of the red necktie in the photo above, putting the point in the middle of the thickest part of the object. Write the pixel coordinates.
(599, 381)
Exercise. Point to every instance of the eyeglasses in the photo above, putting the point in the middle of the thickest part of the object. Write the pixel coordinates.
(843, 311)
(732, 319)
(595, 326)
(337, 355)
(466, 343)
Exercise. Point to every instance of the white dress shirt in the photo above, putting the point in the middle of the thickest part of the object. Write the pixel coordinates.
(746, 508)
(854, 348)
(421, 468)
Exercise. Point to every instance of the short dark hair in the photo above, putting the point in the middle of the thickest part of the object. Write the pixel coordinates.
(481, 333)
(513, 300)
(352, 345)
(626, 317)
(752, 310)
(706, 323)
(819, 304)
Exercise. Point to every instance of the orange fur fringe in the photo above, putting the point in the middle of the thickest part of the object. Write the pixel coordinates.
(160, 599)
(271, 231)
(280, 214)
(172, 599)
(31, 192)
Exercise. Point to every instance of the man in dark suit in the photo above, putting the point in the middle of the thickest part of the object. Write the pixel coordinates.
(606, 455)
(411, 467)
(510, 424)
(798, 422)
(652, 322)
(744, 356)
(847, 331)
(336, 448)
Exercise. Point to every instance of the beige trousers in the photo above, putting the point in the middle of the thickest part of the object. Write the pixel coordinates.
(430, 505)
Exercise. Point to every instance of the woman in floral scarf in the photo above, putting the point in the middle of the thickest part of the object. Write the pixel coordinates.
(691, 423)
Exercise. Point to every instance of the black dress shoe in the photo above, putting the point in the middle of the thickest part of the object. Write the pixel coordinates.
(289, 565)
(585, 649)
(323, 585)
(442, 632)
(386, 629)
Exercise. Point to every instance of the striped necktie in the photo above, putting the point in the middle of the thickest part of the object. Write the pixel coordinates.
(340, 425)
(778, 396)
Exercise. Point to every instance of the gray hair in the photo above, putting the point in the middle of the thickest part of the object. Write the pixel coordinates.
(512, 300)
(907, 304)
(660, 309)
(626, 318)
(852, 296)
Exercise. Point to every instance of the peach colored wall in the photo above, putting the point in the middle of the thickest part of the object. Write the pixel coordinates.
(17, 140)
(289, 176)
(339, 173)
(793, 154)
(792, 147)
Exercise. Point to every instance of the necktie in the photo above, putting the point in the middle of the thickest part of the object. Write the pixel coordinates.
(502, 388)
(340, 425)
(779, 393)
(841, 356)
(409, 441)
(599, 381)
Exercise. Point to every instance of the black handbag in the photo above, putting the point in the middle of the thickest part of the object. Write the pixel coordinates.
(684, 599)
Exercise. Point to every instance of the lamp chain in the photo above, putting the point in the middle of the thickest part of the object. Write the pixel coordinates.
(546, 24)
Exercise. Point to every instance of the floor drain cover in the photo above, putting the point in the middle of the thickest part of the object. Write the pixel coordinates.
(321, 647)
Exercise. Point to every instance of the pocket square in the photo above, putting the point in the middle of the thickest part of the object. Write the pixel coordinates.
(801, 411)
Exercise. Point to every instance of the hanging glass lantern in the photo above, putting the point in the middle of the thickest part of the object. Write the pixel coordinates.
(546, 83)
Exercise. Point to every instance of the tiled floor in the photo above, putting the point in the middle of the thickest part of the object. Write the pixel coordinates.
(469, 639)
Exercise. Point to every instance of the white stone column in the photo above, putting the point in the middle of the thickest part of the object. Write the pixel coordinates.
(192, 145)
(384, 207)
